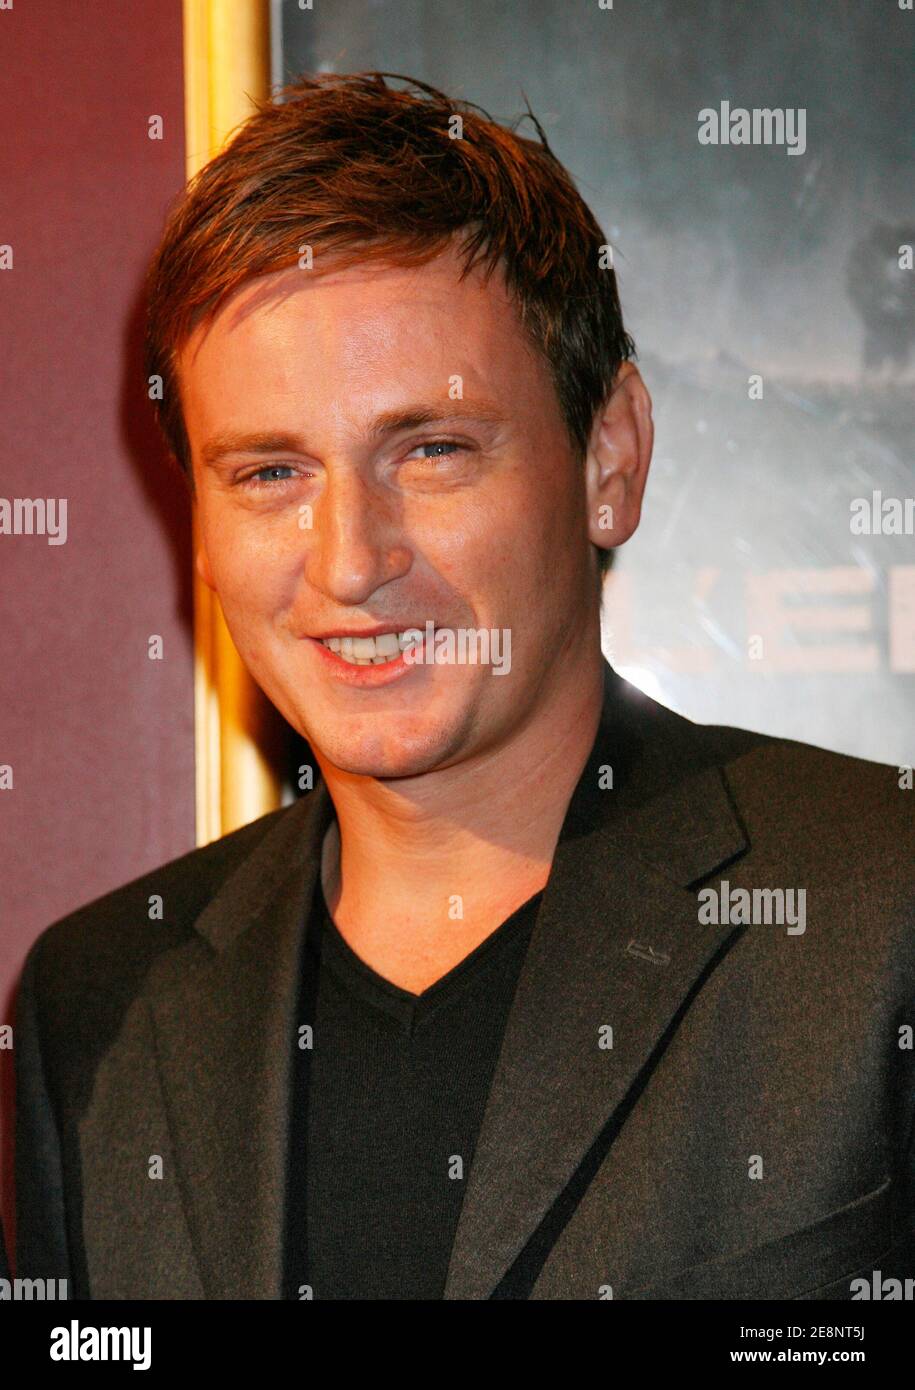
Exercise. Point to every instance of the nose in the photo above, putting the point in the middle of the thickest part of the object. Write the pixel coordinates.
(356, 545)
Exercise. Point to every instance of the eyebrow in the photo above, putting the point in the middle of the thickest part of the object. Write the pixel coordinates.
(388, 422)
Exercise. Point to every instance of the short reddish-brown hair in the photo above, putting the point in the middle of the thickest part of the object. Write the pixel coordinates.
(355, 168)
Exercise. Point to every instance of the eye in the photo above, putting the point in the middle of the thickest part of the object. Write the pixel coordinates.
(270, 473)
(438, 446)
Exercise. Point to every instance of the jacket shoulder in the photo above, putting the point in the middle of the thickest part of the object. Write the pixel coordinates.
(114, 929)
(865, 810)
(809, 765)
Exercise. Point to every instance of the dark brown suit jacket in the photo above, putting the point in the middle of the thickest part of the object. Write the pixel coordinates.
(748, 1133)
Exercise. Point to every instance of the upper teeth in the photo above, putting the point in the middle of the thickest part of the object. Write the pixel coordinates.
(368, 651)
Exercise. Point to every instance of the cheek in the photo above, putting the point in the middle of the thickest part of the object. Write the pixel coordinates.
(503, 542)
(491, 556)
(252, 567)
(470, 545)
(535, 517)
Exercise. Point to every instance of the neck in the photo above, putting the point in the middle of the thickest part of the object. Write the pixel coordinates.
(452, 853)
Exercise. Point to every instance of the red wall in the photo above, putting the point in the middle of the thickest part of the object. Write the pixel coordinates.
(100, 738)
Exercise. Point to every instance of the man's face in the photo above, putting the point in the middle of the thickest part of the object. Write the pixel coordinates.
(354, 519)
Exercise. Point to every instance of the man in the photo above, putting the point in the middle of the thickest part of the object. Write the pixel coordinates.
(543, 991)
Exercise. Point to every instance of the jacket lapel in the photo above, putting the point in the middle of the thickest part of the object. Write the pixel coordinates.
(224, 1017)
(617, 943)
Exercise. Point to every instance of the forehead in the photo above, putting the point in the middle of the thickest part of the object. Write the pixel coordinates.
(359, 322)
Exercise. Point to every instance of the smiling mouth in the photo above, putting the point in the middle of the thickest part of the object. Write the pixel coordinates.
(372, 651)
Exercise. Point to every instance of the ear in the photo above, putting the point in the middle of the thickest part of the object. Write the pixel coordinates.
(619, 453)
(202, 564)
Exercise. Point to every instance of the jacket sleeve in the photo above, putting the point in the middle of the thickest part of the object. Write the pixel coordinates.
(41, 1229)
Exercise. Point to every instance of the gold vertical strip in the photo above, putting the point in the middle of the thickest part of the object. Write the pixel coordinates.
(237, 734)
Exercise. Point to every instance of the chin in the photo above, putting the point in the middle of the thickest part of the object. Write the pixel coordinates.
(386, 765)
(386, 769)
(385, 753)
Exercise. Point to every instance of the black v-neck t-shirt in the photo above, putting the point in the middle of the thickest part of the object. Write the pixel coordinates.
(387, 1105)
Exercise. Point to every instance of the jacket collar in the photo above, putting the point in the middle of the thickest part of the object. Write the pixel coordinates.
(616, 943)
